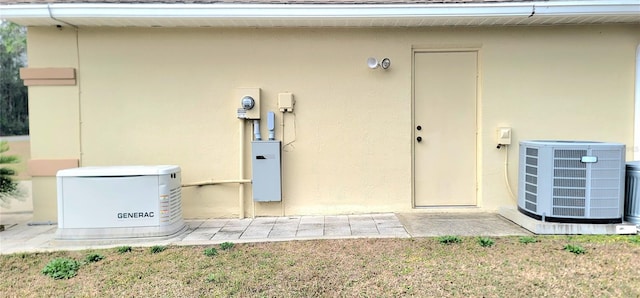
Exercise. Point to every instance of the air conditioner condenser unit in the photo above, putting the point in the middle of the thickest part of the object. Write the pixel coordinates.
(572, 181)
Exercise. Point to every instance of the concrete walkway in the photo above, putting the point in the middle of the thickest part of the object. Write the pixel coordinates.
(19, 236)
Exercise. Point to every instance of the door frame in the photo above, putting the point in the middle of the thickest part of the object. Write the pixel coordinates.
(478, 141)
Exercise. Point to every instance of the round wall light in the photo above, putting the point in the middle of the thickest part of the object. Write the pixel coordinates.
(372, 63)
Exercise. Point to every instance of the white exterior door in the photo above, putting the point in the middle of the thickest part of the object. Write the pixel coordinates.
(445, 97)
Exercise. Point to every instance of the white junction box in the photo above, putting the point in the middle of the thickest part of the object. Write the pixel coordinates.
(504, 135)
(285, 102)
(119, 202)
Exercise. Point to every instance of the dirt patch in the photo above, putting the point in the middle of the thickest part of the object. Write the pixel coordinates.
(336, 268)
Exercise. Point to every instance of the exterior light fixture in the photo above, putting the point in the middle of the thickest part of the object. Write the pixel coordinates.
(386, 62)
(373, 63)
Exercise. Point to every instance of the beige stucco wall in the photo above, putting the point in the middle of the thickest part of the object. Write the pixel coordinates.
(53, 112)
(167, 96)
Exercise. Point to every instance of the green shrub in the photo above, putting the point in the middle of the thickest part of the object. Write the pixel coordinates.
(486, 242)
(576, 249)
(61, 268)
(449, 239)
(90, 258)
(528, 239)
(157, 249)
(226, 245)
(123, 249)
(210, 252)
(8, 186)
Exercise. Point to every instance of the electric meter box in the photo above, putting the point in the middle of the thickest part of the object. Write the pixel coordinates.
(119, 202)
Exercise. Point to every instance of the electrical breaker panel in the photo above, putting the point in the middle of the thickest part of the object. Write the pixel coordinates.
(267, 180)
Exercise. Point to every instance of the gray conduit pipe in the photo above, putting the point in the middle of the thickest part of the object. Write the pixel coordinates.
(256, 130)
(215, 182)
(42, 223)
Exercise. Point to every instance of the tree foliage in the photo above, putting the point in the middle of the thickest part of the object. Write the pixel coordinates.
(14, 114)
(8, 186)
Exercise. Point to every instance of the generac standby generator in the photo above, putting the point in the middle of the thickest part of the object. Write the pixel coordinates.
(119, 202)
(572, 181)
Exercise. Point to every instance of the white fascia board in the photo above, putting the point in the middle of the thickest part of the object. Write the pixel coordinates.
(613, 8)
(9, 12)
(69, 12)
(254, 11)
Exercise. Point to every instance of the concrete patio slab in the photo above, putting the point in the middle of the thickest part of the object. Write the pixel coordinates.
(312, 220)
(20, 236)
(225, 236)
(312, 232)
(337, 230)
(460, 224)
(214, 223)
(256, 231)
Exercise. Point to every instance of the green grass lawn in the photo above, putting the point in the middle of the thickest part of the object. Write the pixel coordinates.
(425, 267)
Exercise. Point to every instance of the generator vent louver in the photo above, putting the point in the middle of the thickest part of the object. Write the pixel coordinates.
(171, 209)
(571, 181)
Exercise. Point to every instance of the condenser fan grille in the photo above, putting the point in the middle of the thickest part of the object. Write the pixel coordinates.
(569, 180)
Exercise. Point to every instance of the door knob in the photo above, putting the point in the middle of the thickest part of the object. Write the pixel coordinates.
(419, 139)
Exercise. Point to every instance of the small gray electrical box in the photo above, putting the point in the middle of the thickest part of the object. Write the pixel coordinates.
(266, 181)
